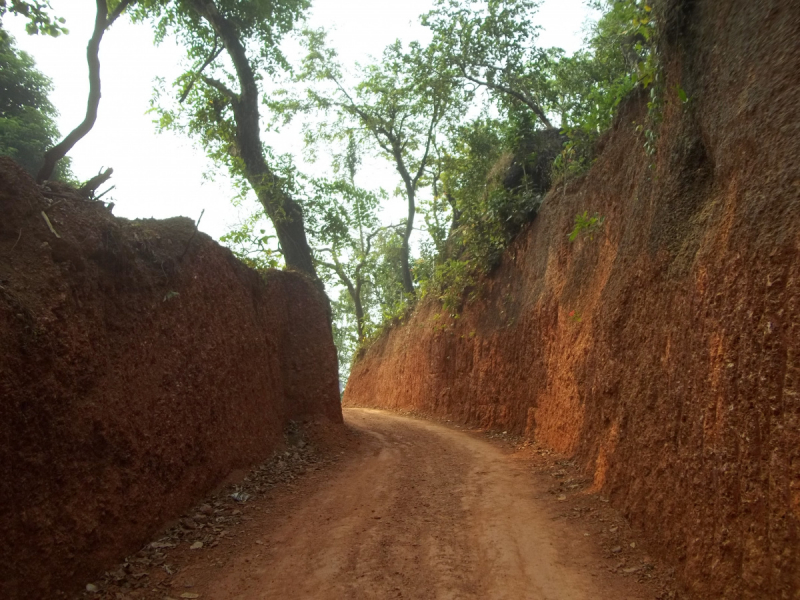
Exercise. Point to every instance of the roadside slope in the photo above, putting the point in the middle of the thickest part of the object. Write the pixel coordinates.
(139, 365)
(663, 352)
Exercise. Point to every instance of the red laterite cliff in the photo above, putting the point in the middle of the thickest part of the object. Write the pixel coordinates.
(139, 365)
(664, 351)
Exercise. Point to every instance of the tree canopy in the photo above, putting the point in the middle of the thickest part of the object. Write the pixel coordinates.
(398, 106)
(492, 44)
(477, 124)
(27, 117)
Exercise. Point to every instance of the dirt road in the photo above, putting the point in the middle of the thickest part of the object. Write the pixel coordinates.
(421, 511)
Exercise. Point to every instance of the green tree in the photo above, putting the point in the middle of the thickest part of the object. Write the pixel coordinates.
(27, 117)
(617, 58)
(218, 97)
(342, 226)
(492, 44)
(398, 105)
(388, 290)
(343, 223)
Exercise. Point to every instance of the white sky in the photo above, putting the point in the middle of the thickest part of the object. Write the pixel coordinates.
(162, 175)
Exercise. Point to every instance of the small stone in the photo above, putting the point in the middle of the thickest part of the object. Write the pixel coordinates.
(189, 595)
(561, 498)
(614, 529)
(633, 544)
(631, 570)
(616, 549)
(196, 546)
(92, 588)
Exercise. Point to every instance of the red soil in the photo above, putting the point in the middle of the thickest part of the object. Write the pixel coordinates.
(133, 379)
(664, 353)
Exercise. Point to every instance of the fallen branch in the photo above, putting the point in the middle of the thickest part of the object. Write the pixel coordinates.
(88, 189)
(52, 194)
(53, 205)
(50, 225)
(104, 193)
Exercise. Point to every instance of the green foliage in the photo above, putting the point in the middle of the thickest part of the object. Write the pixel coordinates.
(619, 57)
(489, 180)
(570, 162)
(493, 45)
(454, 277)
(345, 331)
(263, 23)
(398, 107)
(586, 227)
(27, 117)
(253, 244)
(37, 13)
(389, 297)
(543, 113)
(192, 105)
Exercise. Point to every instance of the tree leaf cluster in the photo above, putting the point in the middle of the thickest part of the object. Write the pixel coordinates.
(27, 117)
(38, 14)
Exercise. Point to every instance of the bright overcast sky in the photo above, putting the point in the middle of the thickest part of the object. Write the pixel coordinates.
(162, 175)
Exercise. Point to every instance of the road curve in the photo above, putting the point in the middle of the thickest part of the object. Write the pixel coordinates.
(423, 512)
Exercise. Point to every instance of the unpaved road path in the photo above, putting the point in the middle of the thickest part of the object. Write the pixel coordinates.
(422, 511)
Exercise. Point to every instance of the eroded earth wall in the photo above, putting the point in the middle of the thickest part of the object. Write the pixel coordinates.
(664, 351)
(139, 366)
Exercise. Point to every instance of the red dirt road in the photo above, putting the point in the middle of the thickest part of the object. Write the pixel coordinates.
(422, 511)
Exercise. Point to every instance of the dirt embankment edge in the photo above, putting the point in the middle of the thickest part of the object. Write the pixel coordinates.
(139, 366)
(664, 350)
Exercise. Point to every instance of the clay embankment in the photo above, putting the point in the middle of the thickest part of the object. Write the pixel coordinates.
(664, 352)
(137, 370)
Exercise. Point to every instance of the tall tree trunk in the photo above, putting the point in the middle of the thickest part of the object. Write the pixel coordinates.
(59, 151)
(456, 212)
(356, 296)
(408, 281)
(284, 212)
(102, 22)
